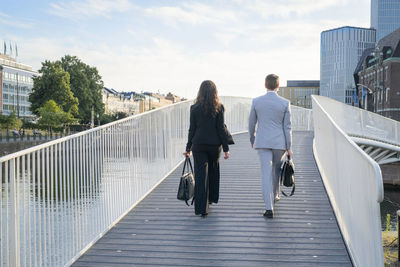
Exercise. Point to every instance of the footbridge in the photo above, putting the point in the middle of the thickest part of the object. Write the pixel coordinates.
(107, 196)
(378, 136)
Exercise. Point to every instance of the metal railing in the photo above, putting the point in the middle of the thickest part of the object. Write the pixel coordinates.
(352, 180)
(59, 198)
(362, 123)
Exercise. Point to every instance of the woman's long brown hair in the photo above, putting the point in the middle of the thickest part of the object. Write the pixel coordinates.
(208, 99)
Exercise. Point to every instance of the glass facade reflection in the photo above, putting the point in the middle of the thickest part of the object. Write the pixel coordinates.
(385, 17)
(341, 49)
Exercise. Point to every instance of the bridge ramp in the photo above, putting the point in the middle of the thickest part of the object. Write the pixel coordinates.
(162, 231)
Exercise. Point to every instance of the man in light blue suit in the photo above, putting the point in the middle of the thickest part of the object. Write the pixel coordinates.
(271, 113)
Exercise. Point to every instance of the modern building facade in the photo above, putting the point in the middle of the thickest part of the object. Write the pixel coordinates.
(385, 17)
(299, 92)
(341, 49)
(378, 77)
(16, 84)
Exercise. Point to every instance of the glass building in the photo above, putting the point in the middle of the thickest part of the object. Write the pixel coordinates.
(385, 17)
(341, 49)
(15, 86)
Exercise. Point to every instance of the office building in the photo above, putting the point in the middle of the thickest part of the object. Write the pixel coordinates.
(385, 17)
(378, 77)
(16, 84)
(341, 49)
(299, 92)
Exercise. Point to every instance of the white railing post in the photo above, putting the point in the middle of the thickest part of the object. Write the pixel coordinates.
(14, 220)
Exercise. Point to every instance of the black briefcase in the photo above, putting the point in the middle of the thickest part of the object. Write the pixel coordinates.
(287, 175)
(186, 184)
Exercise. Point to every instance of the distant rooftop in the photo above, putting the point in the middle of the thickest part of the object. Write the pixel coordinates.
(6, 60)
(303, 83)
(347, 27)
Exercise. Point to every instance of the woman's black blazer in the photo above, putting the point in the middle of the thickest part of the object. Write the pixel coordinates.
(205, 129)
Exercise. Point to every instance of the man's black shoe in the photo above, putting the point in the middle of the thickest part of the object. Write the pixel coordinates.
(269, 214)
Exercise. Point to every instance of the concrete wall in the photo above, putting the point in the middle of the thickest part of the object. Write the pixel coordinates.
(391, 173)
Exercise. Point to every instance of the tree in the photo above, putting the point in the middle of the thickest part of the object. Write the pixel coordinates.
(87, 86)
(53, 84)
(10, 121)
(51, 115)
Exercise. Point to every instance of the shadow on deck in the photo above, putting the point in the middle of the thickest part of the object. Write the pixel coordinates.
(163, 231)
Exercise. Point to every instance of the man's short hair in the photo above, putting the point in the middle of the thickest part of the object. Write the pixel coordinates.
(272, 81)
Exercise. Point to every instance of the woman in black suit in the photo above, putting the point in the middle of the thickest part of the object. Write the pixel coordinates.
(206, 135)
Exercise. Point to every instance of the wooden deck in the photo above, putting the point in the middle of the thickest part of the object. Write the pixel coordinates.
(162, 231)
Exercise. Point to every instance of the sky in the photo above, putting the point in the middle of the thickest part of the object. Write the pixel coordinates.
(172, 46)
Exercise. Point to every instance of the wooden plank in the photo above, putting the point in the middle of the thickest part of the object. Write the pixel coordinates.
(164, 231)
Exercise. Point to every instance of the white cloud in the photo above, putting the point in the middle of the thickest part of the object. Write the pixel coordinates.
(77, 10)
(287, 8)
(249, 46)
(14, 22)
(191, 13)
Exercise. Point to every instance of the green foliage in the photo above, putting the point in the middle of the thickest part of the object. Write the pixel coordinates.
(120, 115)
(388, 226)
(10, 121)
(106, 118)
(51, 115)
(74, 86)
(87, 86)
(53, 84)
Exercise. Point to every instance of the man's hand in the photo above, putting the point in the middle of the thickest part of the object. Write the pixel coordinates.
(187, 154)
(289, 153)
(227, 155)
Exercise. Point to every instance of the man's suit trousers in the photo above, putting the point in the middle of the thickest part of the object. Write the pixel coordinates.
(270, 161)
(206, 175)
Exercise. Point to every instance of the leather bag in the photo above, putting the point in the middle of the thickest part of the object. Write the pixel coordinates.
(287, 175)
(229, 137)
(186, 184)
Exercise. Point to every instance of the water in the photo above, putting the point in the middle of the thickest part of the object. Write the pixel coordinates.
(54, 227)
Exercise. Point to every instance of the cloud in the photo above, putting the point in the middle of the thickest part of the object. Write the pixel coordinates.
(287, 8)
(78, 10)
(232, 44)
(14, 22)
(191, 13)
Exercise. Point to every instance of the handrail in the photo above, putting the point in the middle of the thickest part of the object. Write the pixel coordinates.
(363, 123)
(99, 128)
(353, 182)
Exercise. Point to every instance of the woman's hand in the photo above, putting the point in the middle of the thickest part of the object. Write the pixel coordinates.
(227, 155)
(187, 154)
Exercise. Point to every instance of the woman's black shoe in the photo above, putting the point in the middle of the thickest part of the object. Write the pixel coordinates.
(269, 214)
(204, 215)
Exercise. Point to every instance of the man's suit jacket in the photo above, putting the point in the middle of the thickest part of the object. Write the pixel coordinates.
(271, 113)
